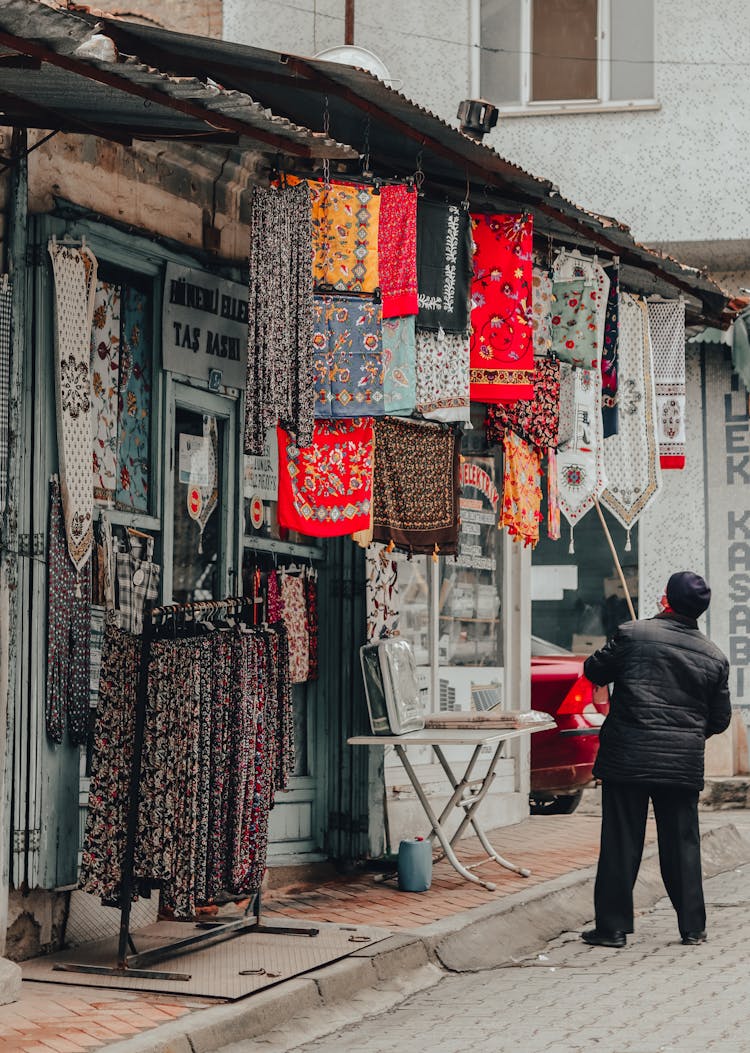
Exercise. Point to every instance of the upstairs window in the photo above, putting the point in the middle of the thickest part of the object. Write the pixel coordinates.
(549, 54)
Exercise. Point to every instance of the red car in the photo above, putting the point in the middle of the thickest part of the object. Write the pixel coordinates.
(562, 758)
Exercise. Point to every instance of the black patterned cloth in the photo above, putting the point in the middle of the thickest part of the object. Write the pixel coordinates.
(609, 357)
(280, 317)
(443, 266)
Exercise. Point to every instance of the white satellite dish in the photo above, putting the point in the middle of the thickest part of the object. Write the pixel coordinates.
(353, 55)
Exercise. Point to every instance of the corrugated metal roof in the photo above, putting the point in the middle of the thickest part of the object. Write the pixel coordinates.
(56, 86)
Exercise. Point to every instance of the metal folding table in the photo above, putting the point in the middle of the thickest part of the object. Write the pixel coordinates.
(468, 792)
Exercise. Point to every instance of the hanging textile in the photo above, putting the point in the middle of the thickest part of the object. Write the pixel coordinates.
(208, 495)
(345, 223)
(632, 455)
(416, 486)
(541, 311)
(6, 316)
(347, 358)
(382, 594)
(444, 250)
(609, 357)
(74, 272)
(553, 497)
(134, 401)
(666, 319)
(105, 372)
(443, 376)
(573, 266)
(399, 359)
(136, 583)
(581, 474)
(502, 350)
(574, 323)
(311, 600)
(274, 602)
(522, 491)
(536, 421)
(325, 489)
(68, 633)
(397, 250)
(295, 620)
(280, 316)
(566, 427)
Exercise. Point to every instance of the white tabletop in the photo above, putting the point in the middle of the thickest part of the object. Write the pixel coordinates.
(448, 736)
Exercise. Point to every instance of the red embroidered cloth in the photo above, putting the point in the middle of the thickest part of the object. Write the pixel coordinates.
(397, 251)
(502, 349)
(325, 489)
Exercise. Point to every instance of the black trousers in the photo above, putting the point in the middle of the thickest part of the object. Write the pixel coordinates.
(624, 811)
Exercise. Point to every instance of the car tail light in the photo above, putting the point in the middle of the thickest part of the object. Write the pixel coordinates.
(578, 698)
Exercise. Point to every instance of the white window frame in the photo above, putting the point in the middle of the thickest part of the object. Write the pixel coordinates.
(529, 108)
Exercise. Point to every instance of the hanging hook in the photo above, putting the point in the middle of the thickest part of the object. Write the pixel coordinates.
(418, 172)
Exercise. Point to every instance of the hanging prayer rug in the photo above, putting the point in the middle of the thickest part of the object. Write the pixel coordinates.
(347, 358)
(581, 476)
(345, 221)
(397, 250)
(443, 375)
(666, 319)
(572, 265)
(444, 250)
(573, 322)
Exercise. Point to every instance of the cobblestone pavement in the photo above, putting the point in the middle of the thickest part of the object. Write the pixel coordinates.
(655, 996)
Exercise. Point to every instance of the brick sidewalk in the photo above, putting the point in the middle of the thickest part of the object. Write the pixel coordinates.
(51, 1018)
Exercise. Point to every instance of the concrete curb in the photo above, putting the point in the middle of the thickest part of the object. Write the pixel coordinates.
(485, 937)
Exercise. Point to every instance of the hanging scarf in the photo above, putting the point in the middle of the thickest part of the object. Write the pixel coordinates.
(399, 362)
(666, 321)
(609, 358)
(541, 311)
(345, 221)
(581, 476)
(6, 316)
(381, 586)
(416, 486)
(74, 273)
(502, 350)
(632, 456)
(536, 421)
(325, 489)
(522, 492)
(295, 620)
(134, 401)
(574, 323)
(397, 251)
(347, 358)
(280, 316)
(105, 368)
(443, 266)
(553, 497)
(443, 376)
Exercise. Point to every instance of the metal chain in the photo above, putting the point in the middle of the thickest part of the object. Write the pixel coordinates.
(326, 132)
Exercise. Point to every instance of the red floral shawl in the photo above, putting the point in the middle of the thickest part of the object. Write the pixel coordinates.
(397, 251)
(325, 489)
(502, 349)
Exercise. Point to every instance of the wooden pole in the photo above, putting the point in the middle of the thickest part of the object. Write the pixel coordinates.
(615, 558)
(349, 22)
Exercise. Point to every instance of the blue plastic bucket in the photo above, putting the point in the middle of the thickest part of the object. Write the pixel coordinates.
(414, 865)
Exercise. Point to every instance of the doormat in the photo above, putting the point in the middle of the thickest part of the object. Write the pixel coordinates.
(227, 971)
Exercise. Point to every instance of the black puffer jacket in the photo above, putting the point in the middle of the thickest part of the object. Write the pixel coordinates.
(670, 694)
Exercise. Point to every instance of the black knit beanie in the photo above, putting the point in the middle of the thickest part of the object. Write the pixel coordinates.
(688, 593)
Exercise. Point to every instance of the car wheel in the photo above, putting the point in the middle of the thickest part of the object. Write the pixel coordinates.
(561, 804)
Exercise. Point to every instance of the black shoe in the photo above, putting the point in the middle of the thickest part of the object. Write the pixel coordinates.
(690, 939)
(599, 938)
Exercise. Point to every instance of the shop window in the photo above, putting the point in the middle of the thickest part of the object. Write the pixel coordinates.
(260, 487)
(537, 53)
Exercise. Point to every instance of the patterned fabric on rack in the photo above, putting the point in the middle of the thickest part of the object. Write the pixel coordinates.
(105, 373)
(347, 358)
(442, 376)
(541, 311)
(325, 490)
(502, 349)
(280, 316)
(666, 319)
(68, 633)
(74, 273)
(566, 428)
(553, 497)
(399, 358)
(536, 421)
(381, 583)
(274, 601)
(522, 491)
(134, 402)
(397, 251)
(6, 318)
(295, 620)
(581, 474)
(345, 224)
(443, 266)
(574, 322)
(632, 456)
(311, 599)
(416, 486)
(609, 357)
(137, 583)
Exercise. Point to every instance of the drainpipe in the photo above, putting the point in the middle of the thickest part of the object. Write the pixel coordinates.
(475, 40)
(349, 22)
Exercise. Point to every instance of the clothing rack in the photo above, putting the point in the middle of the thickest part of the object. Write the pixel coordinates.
(136, 963)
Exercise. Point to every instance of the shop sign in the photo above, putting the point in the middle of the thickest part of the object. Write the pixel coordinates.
(476, 516)
(262, 473)
(204, 326)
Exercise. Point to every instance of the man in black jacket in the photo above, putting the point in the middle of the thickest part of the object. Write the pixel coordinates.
(670, 694)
